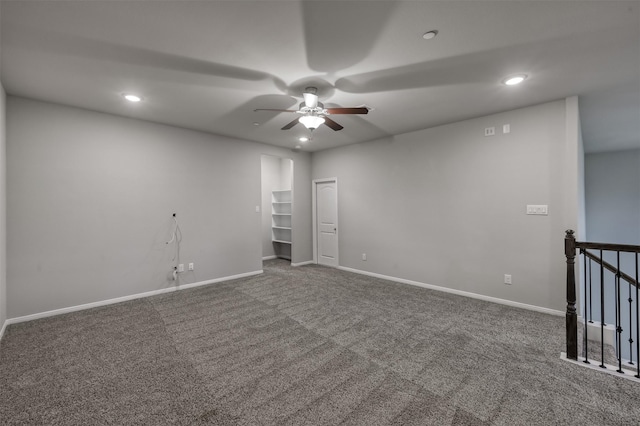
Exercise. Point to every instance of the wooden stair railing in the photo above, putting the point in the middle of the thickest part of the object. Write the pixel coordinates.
(570, 247)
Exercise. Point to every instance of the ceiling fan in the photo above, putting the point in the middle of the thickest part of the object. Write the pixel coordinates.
(314, 113)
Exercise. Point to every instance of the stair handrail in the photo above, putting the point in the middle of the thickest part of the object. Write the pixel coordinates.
(570, 246)
(609, 266)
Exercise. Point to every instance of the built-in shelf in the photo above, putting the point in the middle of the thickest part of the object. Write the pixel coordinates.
(281, 213)
(282, 242)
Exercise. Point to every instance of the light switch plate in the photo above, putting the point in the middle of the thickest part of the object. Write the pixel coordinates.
(538, 209)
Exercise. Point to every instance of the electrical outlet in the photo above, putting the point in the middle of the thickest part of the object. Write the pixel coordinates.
(364, 256)
(507, 279)
(489, 131)
(181, 267)
(191, 266)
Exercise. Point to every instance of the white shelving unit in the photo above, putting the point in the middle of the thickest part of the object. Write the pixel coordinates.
(281, 213)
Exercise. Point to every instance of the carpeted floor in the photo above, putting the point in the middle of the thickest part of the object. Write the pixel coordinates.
(303, 346)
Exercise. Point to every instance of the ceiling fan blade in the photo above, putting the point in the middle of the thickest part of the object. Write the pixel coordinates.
(332, 124)
(358, 110)
(271, 109)
(310, 99)
(290, 125)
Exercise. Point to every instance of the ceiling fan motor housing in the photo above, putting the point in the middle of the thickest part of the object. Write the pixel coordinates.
(319, 109)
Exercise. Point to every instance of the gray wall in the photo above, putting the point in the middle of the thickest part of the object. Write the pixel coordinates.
(3, 210)
(301, 233)
(286, 174)
(612, 181)
(574, 133)
(90, 198)
(446, 206)
(270, 182)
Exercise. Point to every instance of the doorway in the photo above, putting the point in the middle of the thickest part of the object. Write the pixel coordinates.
(325, 221)
(277, 207)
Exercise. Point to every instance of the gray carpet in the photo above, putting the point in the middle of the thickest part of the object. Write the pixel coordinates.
(303, 346)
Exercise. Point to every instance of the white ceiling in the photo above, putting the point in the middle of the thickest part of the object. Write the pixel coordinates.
(208, 65)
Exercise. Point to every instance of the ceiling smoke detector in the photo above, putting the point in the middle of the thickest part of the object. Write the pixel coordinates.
(430, 34)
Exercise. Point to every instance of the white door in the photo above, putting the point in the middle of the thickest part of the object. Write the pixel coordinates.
(327, 222)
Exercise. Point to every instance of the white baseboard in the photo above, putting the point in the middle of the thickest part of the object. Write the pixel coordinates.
(270, 257)
(629, 374)
(457, 292)
(594, 332)
(308, 262)
(4, 327)
(124, 299)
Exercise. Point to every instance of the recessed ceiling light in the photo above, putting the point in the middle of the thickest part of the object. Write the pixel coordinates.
(430, 34)
(514, 79)
(255, 123)
(131, 97)
(303, 139)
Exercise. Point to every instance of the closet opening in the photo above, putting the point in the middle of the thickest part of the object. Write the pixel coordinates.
(277, 207)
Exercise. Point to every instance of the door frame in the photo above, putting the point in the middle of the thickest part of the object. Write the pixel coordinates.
(266, 208)
(314, 202)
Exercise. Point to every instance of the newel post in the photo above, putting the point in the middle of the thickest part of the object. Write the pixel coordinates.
(572, 318)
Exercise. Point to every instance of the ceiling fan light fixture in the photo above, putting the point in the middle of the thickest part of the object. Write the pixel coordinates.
(311, 121)
(513, 80)
(303, 139)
